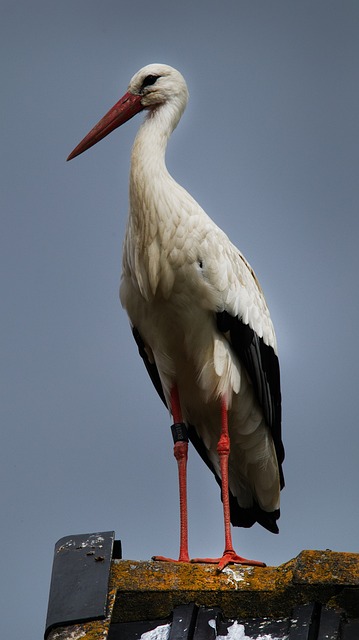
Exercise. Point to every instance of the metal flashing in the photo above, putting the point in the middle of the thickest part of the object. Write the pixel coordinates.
(80, 579)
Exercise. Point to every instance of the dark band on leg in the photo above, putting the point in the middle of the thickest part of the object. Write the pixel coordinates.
(179, 432)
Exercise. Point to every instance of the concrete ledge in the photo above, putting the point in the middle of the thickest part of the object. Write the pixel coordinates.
(146, 590)
(151, 590)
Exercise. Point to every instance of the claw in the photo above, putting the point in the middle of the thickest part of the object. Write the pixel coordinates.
(164, 559)
(229, 557)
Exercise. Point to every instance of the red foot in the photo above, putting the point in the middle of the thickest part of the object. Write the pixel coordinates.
(229, 557)
(164, 559)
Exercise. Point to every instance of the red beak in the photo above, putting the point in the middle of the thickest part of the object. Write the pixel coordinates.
(123, 110)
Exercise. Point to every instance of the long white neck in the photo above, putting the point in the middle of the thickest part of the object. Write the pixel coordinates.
(150, 182)
(156, 204)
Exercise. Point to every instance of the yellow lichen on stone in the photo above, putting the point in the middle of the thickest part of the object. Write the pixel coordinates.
(151, 590)
(156, 587)
(327, 567)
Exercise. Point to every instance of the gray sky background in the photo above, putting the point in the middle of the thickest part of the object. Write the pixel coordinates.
(269, 147)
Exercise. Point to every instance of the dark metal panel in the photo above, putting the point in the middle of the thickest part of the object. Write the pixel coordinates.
(351, 630)
(183, 622)
(190, 622)
(117, 550)
(265, 627)
(206, 623)
(304, 622)
(134, 630)
(329, 624)
(79, 581)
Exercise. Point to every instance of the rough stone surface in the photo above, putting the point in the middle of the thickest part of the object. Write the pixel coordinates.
(150, 590)
(154, 588)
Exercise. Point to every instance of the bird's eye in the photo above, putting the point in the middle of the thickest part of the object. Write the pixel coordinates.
(148, 81)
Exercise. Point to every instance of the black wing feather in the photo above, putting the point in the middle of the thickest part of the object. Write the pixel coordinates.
(150, 366)
(262, 365)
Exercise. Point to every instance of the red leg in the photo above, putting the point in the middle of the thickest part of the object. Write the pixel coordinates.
(223, 448)
(181, 453)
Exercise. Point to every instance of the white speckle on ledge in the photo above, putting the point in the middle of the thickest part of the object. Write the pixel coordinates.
(237, 632)
(159, 633)
(235, 576)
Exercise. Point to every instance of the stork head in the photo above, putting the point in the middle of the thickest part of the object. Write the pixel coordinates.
(150, 88)
(158, 83)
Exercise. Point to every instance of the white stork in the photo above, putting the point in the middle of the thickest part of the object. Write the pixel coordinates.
(200, 321)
